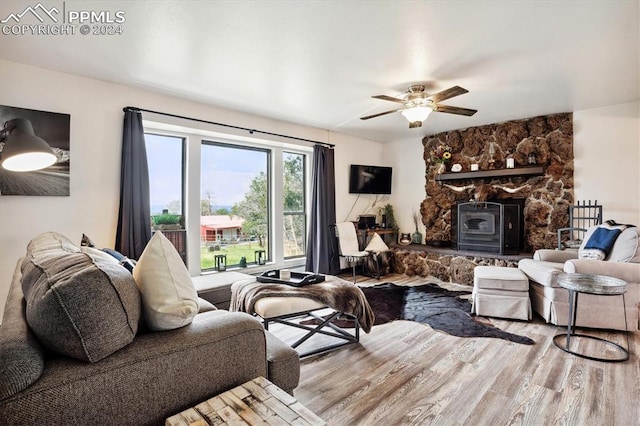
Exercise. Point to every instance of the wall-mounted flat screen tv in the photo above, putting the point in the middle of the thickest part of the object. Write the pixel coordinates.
(369, 179)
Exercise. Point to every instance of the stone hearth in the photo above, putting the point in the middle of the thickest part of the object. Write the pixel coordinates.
(446, 264)
(547, 197)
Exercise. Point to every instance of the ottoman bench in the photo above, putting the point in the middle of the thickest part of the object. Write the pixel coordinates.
(321, 303)
(288, 310)
(501, 292)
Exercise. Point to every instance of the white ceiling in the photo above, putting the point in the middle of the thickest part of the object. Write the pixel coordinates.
(318, 63)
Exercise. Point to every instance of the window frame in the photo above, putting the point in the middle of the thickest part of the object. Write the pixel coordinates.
(193, 136)
(183, 165)
(305, 203)
(269, 153)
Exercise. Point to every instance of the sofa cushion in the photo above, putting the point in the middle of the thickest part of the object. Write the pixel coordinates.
(169, 299)
(545, 273)
(78, 304)
(627, 247)
(283, 362)
(48, 241)
(21, 356)
(500, 278)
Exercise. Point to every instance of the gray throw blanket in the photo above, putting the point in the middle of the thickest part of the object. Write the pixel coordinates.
(336, 293)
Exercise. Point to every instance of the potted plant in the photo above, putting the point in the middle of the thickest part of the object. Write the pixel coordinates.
(166, 222)
(390, 220)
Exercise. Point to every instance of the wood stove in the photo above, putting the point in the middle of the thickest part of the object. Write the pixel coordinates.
(489, 226)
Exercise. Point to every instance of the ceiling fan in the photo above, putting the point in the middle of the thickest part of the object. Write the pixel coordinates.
(418, 104)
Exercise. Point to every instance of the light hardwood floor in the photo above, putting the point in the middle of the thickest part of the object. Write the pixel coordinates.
(407, 373)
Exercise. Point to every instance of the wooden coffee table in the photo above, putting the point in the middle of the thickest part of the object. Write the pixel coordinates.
(257, 402)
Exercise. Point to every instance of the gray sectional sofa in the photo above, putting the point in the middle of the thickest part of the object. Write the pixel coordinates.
(59, 357)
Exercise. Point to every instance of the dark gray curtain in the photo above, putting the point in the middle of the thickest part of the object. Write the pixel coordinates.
(134, 216)
(322, 245)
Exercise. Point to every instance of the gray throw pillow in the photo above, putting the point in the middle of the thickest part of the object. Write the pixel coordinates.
(78, 304)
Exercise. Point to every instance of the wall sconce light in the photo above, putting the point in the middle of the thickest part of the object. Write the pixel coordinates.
(23, 151)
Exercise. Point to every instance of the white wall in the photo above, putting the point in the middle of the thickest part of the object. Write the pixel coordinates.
(607, 159)
(607, 165)
(356, 151)
(409, 170)
(96, 135)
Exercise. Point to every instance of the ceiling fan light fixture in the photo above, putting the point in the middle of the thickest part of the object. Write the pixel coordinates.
(417, 104)
(416, 114)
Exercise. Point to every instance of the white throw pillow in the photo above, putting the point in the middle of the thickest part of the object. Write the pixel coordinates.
(376, 244)
(169, 298)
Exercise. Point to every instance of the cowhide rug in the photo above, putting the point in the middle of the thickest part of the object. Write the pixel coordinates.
(430, 304)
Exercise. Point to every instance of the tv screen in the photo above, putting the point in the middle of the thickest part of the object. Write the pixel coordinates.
(369, 179)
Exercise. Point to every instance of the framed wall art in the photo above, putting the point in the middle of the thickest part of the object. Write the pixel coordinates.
(49, 132)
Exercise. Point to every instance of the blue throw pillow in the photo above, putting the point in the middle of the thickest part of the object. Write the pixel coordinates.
(121, 258)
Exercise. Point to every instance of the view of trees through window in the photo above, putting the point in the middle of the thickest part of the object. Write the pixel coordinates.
(294, 205)
(235, 198)
(234, 219)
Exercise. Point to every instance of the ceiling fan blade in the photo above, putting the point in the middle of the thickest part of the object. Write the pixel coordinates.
(388, 98)
(379, 114)
(455, 110)
(448, 94)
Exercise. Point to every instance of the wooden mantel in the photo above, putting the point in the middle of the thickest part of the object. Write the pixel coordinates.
(484, 174)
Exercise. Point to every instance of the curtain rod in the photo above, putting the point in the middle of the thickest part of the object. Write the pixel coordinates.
(251, 131)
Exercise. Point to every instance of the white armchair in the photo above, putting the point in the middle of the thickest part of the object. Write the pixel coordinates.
(349, 247)
(551, 301)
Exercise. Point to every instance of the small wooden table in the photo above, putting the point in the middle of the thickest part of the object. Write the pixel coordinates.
(257, 402)
(364, 235)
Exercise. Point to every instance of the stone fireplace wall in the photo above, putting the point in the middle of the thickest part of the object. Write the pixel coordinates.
(547, 197)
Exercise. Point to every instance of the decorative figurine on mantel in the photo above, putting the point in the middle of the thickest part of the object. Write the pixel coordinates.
(492, 156)
(510, 161)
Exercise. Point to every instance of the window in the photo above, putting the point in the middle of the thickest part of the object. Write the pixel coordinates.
(244, 199)
(294, 205)
(165, 157)
(234, 191)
